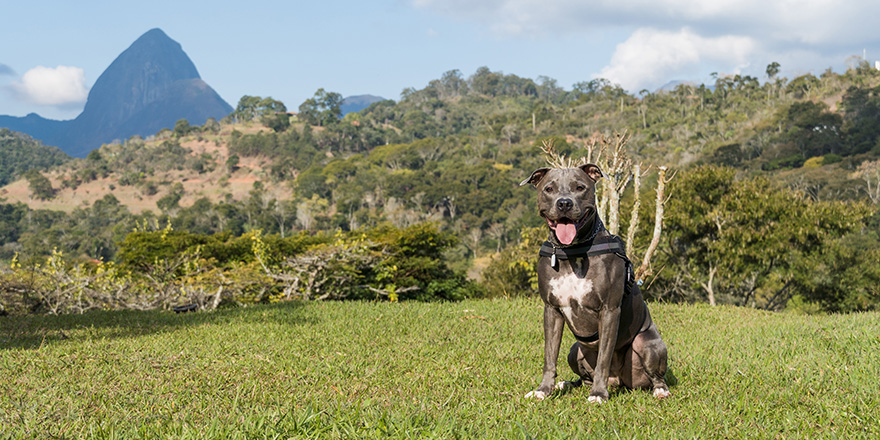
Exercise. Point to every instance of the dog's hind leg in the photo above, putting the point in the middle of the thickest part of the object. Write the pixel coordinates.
(575, 359)
(647, 363)
(582, 363)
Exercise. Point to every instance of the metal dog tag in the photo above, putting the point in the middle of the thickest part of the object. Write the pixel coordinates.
(553, 259)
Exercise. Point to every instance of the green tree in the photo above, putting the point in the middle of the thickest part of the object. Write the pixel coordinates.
(843, 276)
(273, 114)
(772, 70)
(232, 163)
(549, 90)
(246, 110)
(803, 86)
(12, 224)
(169, 203)
(211, 126)
(861, 107)
(40, 186)
(278, 122)
(484, 81)
(94, 156)
(182, 128)
(743, 241)
(813, 129)
(250, 108)
(323, 109)
(452, 84)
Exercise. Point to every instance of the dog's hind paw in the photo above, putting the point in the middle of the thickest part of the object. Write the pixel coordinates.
(566, 386)
(537, 395)
(563, 386)
(613, 383)
(661, 393)
(596, 399)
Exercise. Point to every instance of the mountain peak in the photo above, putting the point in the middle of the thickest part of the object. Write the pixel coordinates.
(354, 104)
(155, 41)
(146, 88)
(149, 86)
(152, 62)
(155, 33)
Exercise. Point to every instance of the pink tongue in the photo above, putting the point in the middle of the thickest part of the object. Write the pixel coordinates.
(565, 232)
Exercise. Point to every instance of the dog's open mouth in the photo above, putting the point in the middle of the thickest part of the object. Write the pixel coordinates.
(566, 229)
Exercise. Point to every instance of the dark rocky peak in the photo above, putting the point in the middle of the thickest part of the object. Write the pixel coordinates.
(140, 75)
(148, 87)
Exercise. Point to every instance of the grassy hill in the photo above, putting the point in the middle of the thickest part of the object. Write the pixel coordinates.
(197, 163)
(773, 127)
(423, 370)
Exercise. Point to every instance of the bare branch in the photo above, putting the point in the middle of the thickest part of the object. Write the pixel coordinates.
(644, 268)
(634, 218)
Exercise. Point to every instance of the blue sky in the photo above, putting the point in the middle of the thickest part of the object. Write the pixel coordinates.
(51, 52)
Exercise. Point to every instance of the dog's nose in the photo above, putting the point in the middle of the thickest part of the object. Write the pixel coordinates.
(564, 204)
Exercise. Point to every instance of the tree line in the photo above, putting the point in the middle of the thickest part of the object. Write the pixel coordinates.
(772, 203)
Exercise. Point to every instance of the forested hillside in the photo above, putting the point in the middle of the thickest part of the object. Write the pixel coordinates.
(773, 202)
(20, 153)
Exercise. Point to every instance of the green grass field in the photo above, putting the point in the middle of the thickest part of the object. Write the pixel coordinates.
(424, 370)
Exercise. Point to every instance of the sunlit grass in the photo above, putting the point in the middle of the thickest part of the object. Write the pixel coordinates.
(423, 370)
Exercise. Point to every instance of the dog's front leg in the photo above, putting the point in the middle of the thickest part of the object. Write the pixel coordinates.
(609, 323)
(553, 326)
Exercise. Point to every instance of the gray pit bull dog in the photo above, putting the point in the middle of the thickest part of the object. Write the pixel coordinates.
(585, 281)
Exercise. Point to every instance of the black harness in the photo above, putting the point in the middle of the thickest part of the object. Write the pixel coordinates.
(610, 244)
(594, 246)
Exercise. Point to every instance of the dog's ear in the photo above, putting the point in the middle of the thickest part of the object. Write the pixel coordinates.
(593, 171)
(536, 177)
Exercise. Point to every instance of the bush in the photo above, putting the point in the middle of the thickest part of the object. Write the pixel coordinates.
(814, 162)
(167, 268)
(513, 272)
(386, 262)
(144, 247)
(832, 158)
(792, 161)
(55, 286)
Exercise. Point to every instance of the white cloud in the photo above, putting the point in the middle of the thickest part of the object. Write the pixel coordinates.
(651, 57)
(61, 86)
(667, 36)
(801, 21)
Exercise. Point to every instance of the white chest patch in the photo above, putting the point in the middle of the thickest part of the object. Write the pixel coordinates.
(570, 287)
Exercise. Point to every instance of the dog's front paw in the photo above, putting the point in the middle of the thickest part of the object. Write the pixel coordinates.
(537, 395)
(661, 393)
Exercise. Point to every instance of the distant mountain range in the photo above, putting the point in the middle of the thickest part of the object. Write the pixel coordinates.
(672, 85)
(354, 104)
(148, 87)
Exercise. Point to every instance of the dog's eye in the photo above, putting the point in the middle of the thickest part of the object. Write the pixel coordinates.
(581, 188)
(548, 189)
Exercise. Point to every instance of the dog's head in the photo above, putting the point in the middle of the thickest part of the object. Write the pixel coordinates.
(567, 199)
